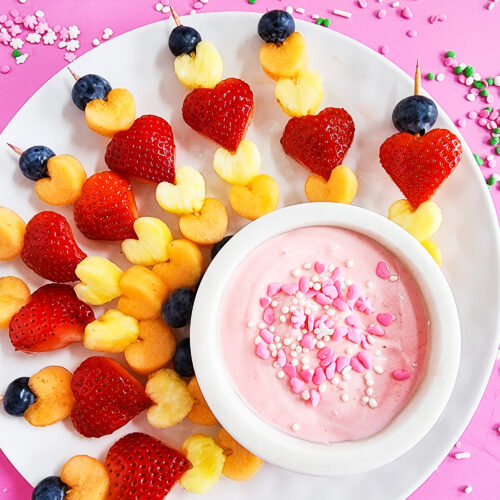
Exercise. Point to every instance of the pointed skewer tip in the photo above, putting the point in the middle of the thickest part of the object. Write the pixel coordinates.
(75, 76)
(418, 79)
(19, 151)
(175, 16)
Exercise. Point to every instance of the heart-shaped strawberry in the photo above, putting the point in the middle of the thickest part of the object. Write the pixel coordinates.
(50, 249)
(418, 165)
(319, 142)
(106, 210)
(222, 113)
(107, 397)
(145, 151)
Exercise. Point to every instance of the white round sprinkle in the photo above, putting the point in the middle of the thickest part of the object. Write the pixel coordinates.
(395, 4)
(279, 345)
(462, 65)
(108, 31)
(287, 341)
(372, 403)
(378, 369)
(344, 398)
(258, 340)
(346, 376)
(295, 301)
(277, 338)
(298, 348)
(326, 307)
(307, 265)
(477, 77)
(272, 347)
(300, 10)
(369, 382)
(349, 263)
(261, 325)
(468, 489)
(166, 9)
(159, 6)
(276, 364)
(295, 362)
(285, 309)
(369, 391)
(348, 282)
(365, 400)
(440, 77)
(471, 97)
(369, 284)
(283, 318)
(315, 16)
(305, 350)
(317, 286)
(293, 347)
(469, 81)
(335, 380)
(496, 81)
(250, 324)
(299, 295)
(306, 395)
(289, 9)
(295, 427)
(348, 350)
(39, 13)
(281, 374)
(378, 352)
(193, 12)
(315, 279)
(105, 37)
(368, 376)
(393, 277)
(296, 273)
(274, 303)
(322, 387)
(462, 455)
(370, 338)
(61, 44)
(274, 353)
(330, 312)
(293, 354)
(21, 1)
(272, 329)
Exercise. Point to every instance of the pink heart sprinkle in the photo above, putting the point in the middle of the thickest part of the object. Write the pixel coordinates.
(382, 271)
(310, 321)
(338, 285)
(330, 371)
(353, 335)
(319, 267)
(339, 332)
(268, 316)
(401, 374)
(407, 13)
(18, 19)
(385, 319)
(3, 18)
(9, 23)
(326, 362)
(290, 288)
(366, 359)
(262, 350)
(330, 291)
(357, 366)
(433, 19)
(307, 341)
(376, 330)
(353, 321)
(329, 323)
(281, 358)
(342, 362)
(325, 352)
(319, 376)
(267, 335)
(337, 274)
(339, 303)
(297, 385)
(311, 293)
(315, 397)
(307, 375)
(264, 301)
(273, 289)
(364, 344)
(352, 292)
(304, 284)
(323, 300)
(290, 370)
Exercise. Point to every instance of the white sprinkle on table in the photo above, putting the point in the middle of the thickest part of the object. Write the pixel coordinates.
(281, 374)
(344, 398)
(349, 263)
(342, 13)
(300, 10)
(462, 455)
(307, 265)
(250, 324)
(306, 395)
(468, 489)
(289, 9)
(295, 427)
(369, 284)
(378, 369)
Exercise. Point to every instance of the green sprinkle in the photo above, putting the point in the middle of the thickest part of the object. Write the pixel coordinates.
(478, 85)
(320, 20)
(16, 53)
(450, 53)
(458, 70)
(484, 93)
(327, 22)
(498, 150)
(469, 71)
(252, 1)
(491, 180)
(478, 159)
(496, 131)
(494, 141)
(490, 81)
(487, 108)
(430, 76)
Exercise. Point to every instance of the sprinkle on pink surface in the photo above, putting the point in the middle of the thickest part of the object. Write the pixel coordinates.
(297, 385)
(304, 284)
(449, 60)
(3, 18)
(362, 4)
(319, 267)
(342, 362)
(433, 19)
(325, 352)
(290, 288)
(365, 359)
(327, 361)
(315, 398)
(262, 350)
(323, 300)
(385, 319)
(401, 374)
(442, 18)
(307, 341)
(330, 370)
(353, 335)
(492, 163)
(461, 122)
(307, 375)
(281, 358)
(353, 321)
(5, 69)
(407, 13)
(484, 113)
(357, 366)
(298, 318)
(381, 13)
(330, 291)
(319, 376)
(384, 50)
(412, 33)
(273, 289)
(364, 305)
(376, 330)
(472, 115)
(311, 293)
(352, 292)
(266, 335)
(339, 332)
(290, 370)
(69, 56)
(264, 301)
(268, 316)
(382, 271)
(310, 321)
(462, 78)
(198, 5)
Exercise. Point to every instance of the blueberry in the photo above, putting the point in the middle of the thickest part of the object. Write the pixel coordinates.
(89, 87)
(50, 488)
(276, 26)
(33, 162)
(176, 311)
(218, 246)
(183, 40)
(18, 397)
(415, 114)
(183, 364)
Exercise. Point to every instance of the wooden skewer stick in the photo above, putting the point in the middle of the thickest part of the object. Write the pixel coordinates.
(16, 149)
(175, 16)
(75, 76)
(418, 80)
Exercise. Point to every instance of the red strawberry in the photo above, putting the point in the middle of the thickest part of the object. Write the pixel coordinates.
(106, 210)
(222, 113)
(418, 165)
(140, 467)
(52, 319)
(50, 249)
(319, 142)
(145, 151)
(107, 397)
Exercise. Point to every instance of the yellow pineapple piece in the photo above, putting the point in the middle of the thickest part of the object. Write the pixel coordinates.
(300, 95)
(14, 294)
(202, 68)
(434, 250)
(239, 167)
(86, 477)
(341, 187)
(208, 226)
(112, 332)
(12, 229)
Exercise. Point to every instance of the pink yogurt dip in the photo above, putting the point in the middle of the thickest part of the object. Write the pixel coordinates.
(324, 334)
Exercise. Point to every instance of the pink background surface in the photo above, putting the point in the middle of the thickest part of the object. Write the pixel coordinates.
(470, 29)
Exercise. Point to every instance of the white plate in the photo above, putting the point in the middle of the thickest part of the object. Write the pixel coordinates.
(356, 78)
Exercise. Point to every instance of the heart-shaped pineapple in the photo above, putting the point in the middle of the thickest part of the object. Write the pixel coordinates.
(86, 477)
(340, 188)
(186, 195)
(112, 332)
(239, 167)
(206, 227)
(99, 278)
(151, 247)
(202, 68)
(143, 293)
(300, 95)
(113, 115)
(434, 250)
(14, 294)
(258, 198)
(285, 60)
(421, 223)
(64, 184)
(184, 266)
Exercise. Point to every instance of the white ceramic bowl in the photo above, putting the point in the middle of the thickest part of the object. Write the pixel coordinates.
(285, 450)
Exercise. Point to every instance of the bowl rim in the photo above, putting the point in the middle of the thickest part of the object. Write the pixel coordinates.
(285, 450)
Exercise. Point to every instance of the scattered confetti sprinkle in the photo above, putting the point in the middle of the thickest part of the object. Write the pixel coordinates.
(96, 42)
(412, 33)
(462, 455)
(468, 489)
(33, 38)
(21, 59)
(69, 56)
(342, 13)
(5, 69)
